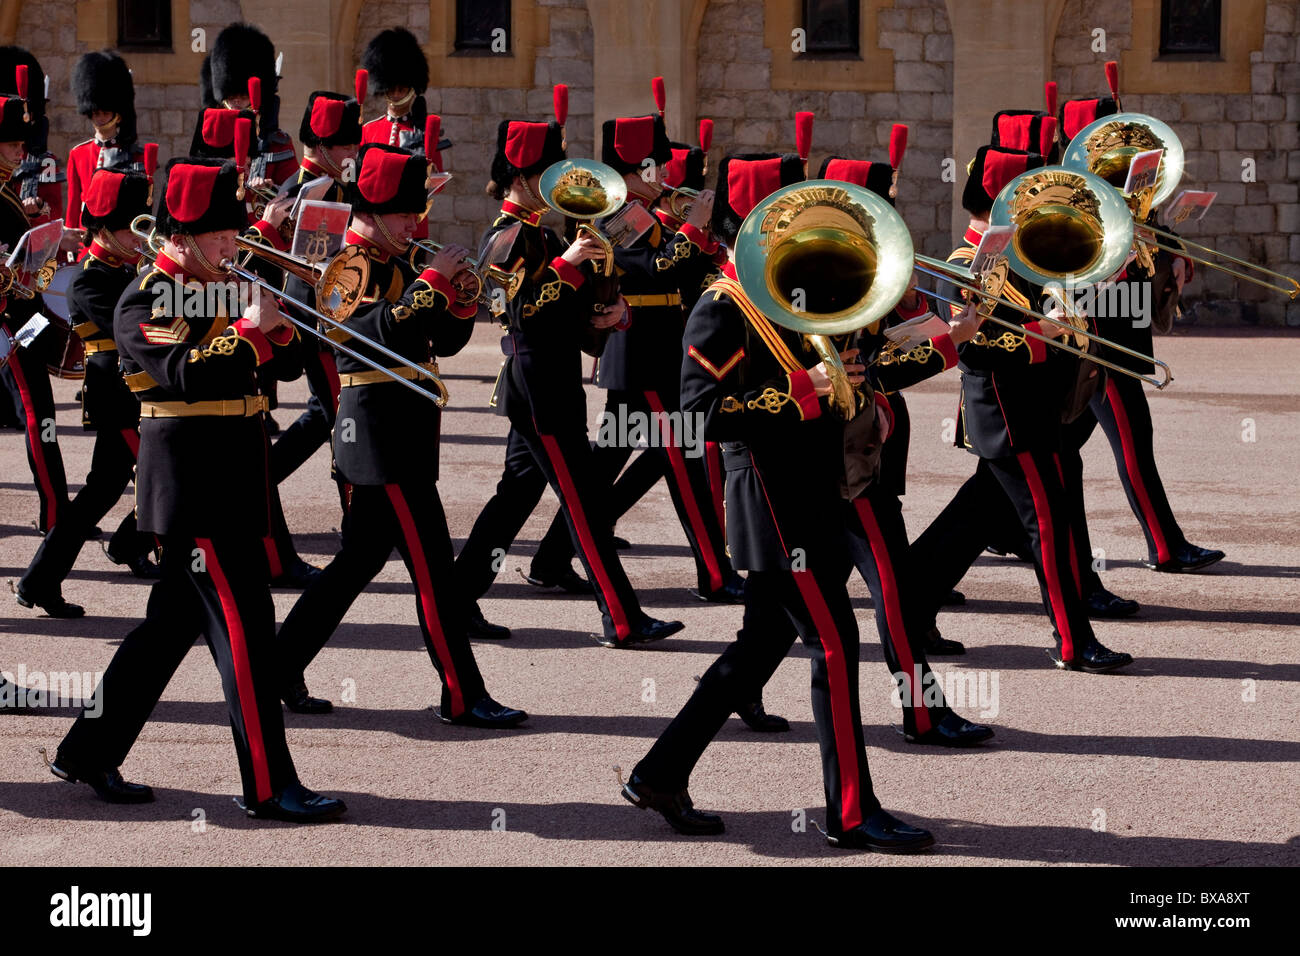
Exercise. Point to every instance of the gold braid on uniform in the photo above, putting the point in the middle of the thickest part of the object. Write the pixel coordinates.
(1007, 340)
(550, 292)
(222, 345)
(891, 354)
(684, 249)
(769, 401)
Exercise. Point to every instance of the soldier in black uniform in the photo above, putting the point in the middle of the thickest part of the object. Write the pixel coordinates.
(784, 460)
(386, 447)
(202, 486)
(28, 365)
(552, 321)
(112, 199)
(1013, 391)
(331, 136)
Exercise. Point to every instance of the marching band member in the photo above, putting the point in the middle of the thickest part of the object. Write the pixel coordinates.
(202, 486)
(784, 458)
(386, 448)
(113, 197)
(105, 96)
(552, 321)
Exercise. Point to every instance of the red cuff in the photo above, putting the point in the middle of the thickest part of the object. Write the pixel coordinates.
(922, 307)
(708, 245)
(466, 310)
(949, 351)
(270, 234)
(281, 336)
(255, 337)
(883, 401)
(568, 273)
(1037, 347)
(801, 390)
(1190, 266)
(440, 283)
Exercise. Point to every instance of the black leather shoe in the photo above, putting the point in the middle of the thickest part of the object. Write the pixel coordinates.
(297, 576)
(1096, 659)
(139, 565)
(884, 834)
(107, 784)
(953, 731)
(487, 713)
(54, 607)
(936, 645)
(1102, 603)
(1187, 559)
(296, 804)
(567, 579)
(299, 701)
(954, 598)
(675, 807)
(756, 718)
(650, 629)
(476, 625)
(731, 592)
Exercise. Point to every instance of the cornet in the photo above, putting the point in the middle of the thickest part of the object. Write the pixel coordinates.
(471, 280)
(679, 200)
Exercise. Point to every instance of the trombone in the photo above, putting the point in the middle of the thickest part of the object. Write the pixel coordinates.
(1107, 147)
(339, 285)
(471, 280)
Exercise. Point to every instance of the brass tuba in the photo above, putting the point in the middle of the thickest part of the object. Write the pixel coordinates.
(585, 190)
(825, 258)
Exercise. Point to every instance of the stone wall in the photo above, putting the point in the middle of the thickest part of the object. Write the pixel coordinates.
(1259, 220)
(463, 211)
(733, 77)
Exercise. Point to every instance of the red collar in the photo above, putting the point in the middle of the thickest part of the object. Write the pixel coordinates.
(520, 213)
(163, 263)
(111, 258)
(729, 270)
(973, 236)
(372, 250)
(669, 220)
(310, 166)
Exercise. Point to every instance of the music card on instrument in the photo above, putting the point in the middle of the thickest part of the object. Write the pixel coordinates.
(1191, 204)
(314, 189)
(31, 328)
(36, 247)
(907, 335)
(628, 225)
(991, 248)
(320, 229)
(1142, 172)
(436, 182)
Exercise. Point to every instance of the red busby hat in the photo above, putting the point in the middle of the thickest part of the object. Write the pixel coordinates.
(114, 197)
(102, 81)
(330, 119)
(13, 128)
(198, 196)
(686, 168)
(628, 141)
(745, 180)
(1076, 114)
(389, 180)
(525, 149)
(214, 133)
(877, 177)
(991, 169)
(12, 57)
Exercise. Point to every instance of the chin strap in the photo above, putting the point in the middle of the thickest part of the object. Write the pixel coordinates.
(193, 249)
(399, 247)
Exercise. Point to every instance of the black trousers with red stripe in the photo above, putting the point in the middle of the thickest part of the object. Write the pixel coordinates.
(1125, 417)
(33, 380)
(780, 606)
(216, 588)
(878, 543)
(1029, 489)
(281, 552)
(688, 482)
(112, 463)
(407, 516)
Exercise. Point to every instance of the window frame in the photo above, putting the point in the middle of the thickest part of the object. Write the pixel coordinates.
(852, 52)
(162, 46)
(486, 50)
(1205, 56)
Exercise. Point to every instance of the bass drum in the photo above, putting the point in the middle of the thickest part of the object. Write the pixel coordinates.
(6, 347)
(67, 354)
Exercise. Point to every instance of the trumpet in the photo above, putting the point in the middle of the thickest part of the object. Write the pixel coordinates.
(339, 285)
(471, 280)
(1107, 147)
(679, 200)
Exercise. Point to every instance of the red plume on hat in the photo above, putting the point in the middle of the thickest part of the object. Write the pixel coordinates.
(897, 147)
(21, 82)
(432, 131)
(560, 97)
(243, 135)
(150, 165)
(1112, 80)
(362, 85)
(706, 141)
(1049, 94)
(661, 94)
(803, 125)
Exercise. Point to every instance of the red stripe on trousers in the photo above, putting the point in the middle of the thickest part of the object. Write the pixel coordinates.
(678, 462)
(1135, 475)
(893, 610)
(1047, 548)
(621, 626)
(273, 556)
(841, 714)
(243, 673)
(714, 456)
(331, 369)
(424, 584)
(132, 438)
(34, 442)
(1074, 554)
